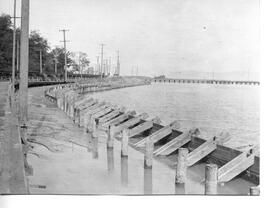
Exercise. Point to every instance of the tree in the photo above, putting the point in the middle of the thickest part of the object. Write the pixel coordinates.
(80, 61)
(58, 54)
(5, 43)
(37, 44)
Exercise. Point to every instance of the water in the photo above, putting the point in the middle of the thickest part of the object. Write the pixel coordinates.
(211, 108)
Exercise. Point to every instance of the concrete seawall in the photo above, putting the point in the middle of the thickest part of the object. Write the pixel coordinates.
(66, 97)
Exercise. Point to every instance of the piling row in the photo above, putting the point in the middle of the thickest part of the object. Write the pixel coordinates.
(149, 136)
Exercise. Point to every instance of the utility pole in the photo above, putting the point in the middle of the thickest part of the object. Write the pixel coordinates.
(65, 48)
(55, 65)
(24, 63)
(98, 67)
(14, 48)
(40, 61)
(18, 54)
(109, 66)
(101, 64)
(118, 65)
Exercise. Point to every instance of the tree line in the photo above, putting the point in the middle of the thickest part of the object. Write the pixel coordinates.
(37, 43)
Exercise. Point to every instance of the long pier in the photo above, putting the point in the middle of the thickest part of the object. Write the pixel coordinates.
(153, 139)
(205, 81)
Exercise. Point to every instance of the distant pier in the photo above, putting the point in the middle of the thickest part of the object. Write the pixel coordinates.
(205, 81)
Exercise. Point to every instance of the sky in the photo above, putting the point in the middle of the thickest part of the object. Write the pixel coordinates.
(178, 38)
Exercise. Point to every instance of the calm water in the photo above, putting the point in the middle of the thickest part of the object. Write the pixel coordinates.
(211, 108)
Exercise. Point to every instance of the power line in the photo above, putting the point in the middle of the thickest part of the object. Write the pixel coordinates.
(65, 48)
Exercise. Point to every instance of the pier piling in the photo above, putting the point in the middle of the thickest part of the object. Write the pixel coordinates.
(110, 140)
(211, 179)
(148, 156)
(255, 191)
(181, 170)
(125, 138)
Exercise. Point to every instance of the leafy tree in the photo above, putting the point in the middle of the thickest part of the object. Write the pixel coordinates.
(58, 54)
(36, 44)
(6, 36)
(80, 61)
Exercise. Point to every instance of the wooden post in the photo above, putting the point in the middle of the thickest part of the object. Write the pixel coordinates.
(24, 65)
(110, 160)
(255, 191)
(148, 156)
(125, 138)
(94, 146)
(110, 139)
(180, 189)
(124, 171)
(148, 181)
(211, 179)
(181, 170)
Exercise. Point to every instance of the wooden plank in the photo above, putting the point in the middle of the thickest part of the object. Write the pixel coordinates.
(141, 128)
(94, 109)
(161, 133)
(119, 119)
(82, 102)
(86, 105)
(103, 112)
(158, 135)
(236, 166)
(109, 116)
(206, 148)
(176, 143)
(129, 123)
(83, 114)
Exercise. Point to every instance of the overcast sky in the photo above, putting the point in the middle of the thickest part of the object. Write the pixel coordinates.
(189, 38)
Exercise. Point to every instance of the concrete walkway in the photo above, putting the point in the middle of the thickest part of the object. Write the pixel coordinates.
(12, 174)
(63, 163)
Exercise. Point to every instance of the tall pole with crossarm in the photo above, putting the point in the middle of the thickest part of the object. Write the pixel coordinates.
(65, 48)
(24, 62)
(14, 48)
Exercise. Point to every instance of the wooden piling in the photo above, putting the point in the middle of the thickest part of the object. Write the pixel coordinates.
(254, 191)
(124, 146)
(110, 139)
(181, 170)
(148, 156)
(94, 146)
(211, 179)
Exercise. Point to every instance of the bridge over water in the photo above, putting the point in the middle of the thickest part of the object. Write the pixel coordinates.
(206, 81)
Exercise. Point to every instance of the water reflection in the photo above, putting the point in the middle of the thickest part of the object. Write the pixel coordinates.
(95, 147)
(148, 184)
(124, 171)
(180, 189)
(110, 159)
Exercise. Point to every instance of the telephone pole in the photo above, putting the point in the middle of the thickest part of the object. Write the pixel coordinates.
(14, 48)
(98, 66)
(24, 63)
(65, 48)
(118, 65)
(40, 61)
(101, 64)
(18, 54)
